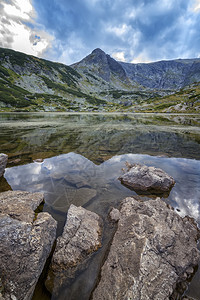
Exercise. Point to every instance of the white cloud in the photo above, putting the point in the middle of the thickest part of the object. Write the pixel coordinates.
(16, 34)
(141, 58)
(119, 56)
(119, 30)
(69, 51)
(196, 6)
(164, 5)
(19, 8)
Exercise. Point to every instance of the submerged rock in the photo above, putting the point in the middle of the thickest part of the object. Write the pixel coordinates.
(80, 238)
(3, 162)
(153, 249)
(114, 215)
(147, 179)
(78, 197)
(25, 243)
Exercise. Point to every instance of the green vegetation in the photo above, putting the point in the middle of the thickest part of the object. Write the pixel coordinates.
(91, 75)
(185, 100)
(4, 72)
(163, 106)
(14, 96)
(63, 88)
(16, 58)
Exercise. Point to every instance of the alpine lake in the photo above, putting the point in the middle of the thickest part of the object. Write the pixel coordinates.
(78, 157)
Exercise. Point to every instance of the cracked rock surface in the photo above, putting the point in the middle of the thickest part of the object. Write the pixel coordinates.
(20, 205)
(25, 243)
(153, 249)
(147, 179)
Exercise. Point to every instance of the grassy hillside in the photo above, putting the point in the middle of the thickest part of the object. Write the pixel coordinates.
(187, 100)
(28, 83)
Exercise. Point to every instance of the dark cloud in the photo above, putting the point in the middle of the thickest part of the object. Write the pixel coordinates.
(149, 29)
(5, 21)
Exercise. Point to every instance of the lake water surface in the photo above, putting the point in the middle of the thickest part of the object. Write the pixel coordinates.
(77, 158)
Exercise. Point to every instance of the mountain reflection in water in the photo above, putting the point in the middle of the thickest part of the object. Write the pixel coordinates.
(98, 137)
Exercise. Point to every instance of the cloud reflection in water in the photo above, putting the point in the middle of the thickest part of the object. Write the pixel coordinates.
(72, 178)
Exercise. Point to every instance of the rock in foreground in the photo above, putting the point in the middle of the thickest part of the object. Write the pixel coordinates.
(20, 205)
(25, 244)
(81, 237)
(3, 162)
(147, 179)
(153, 249)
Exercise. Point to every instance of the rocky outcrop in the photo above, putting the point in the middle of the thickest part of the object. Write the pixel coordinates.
(147, 179)
(3, 162)
(26, 240)
(80, 238)
(171, 74)
(153, 249)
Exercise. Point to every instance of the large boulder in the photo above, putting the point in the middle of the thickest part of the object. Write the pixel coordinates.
(153, 249)
(81, 237)
(26, 240)
(3, 162)
(142, 178)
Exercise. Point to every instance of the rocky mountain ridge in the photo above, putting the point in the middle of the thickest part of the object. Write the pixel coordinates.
(169, 74)
(96, 83)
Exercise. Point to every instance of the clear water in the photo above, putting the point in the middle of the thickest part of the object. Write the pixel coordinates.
(83, 156)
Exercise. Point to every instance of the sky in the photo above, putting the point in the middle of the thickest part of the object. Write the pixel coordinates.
(128, 30)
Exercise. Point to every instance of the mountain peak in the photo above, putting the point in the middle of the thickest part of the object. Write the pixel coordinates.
(98, 51)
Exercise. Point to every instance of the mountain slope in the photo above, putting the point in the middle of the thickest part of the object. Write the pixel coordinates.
(172, 74)
(27, 80)
(101, 64)
(96, 83)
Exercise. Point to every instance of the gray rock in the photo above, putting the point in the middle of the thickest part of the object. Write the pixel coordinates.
(3, 162)
(147, 179)
(81, 235)
(20, 205)
(152, 250)
(25, 244)
(80, 238)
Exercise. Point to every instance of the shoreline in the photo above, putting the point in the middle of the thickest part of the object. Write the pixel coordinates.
(100, 113)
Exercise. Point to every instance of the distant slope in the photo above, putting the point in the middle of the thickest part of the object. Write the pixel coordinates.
(172, 74)
(185, 100)
(96, 83)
